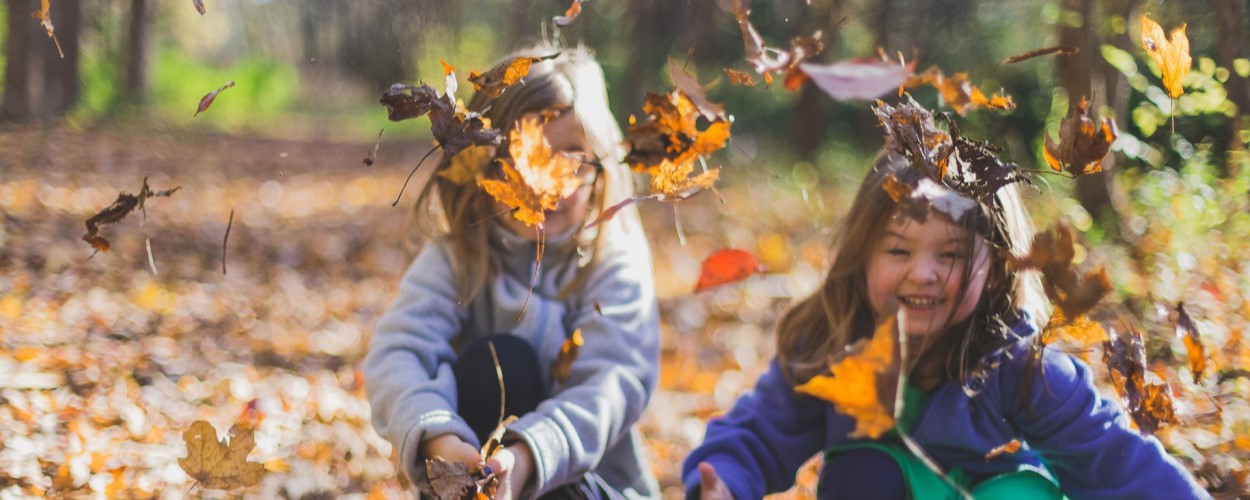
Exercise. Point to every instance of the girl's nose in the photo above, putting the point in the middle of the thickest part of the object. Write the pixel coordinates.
(924, 270)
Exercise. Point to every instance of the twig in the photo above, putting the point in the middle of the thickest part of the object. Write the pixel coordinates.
(503, 395)
(538, 264)
(373, 155)
(151, 261)
(505, 212)
(414, 170)
(224, 240)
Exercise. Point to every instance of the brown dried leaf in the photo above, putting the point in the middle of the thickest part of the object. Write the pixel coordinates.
(1082, 142)
(687, 84)
(199, 6)
(1062, 49)
(1052, 253)
(1150, 405)
(217, 465)
(449, 480)
(767, 60)
(1187, 330)
(503, 75)
(670, 132)
(563, 365)
(454, 130)
(208, 98)
(121, 207)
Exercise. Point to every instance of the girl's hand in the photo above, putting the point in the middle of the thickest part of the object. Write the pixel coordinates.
(514, 465)
(712, 488)
(451, 448)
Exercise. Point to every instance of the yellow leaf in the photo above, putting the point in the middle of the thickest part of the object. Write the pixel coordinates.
(535, 179)
(1081, 330)
(563, 364)
(672, 178)
(854, 384)
(468, 165)
(1172, 56)
(217, 465)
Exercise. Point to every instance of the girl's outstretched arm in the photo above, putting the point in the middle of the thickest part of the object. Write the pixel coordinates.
(758, 447)
(612, 377)
(1086, 440)
(408, 371)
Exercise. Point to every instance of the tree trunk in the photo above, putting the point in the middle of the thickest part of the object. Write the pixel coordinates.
(1231, 15)
(17, 102)
(136, 85)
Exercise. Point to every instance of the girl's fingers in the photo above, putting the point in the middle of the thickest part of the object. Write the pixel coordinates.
(501, 461)
(710, 483)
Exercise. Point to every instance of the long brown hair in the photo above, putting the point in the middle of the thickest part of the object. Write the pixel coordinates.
(460, 213)
(814, 330)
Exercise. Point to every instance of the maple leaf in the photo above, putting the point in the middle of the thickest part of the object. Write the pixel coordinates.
(563, 365)
(199, 6)
(1081, 330)
(121, 207)
(1187, 330)
(863, 381)
(1172, 56)
(208, 98)
(1052, 252)
(217, 465)
(1007, 448)
(726, 266)
(1082, 143)
(45, 18)
(671, 182)
(503, 75)
(1062, 49)
(866, 78)
(466, 167)
(739, 77)
(452, 128)
(671, 132)
(958, 93)
(1149, 404)
(569, 15)
(534, 179)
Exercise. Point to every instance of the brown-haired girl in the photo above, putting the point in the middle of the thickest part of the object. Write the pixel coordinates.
(977, 382)
(431, 373)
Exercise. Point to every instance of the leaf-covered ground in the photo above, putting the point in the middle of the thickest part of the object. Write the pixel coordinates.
(103, 364)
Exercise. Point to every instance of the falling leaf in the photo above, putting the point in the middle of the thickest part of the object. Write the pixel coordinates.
(863, 381)
(1081, 330)
(1149, 404)
(373, 155)
(199, 6)
(1007, 448)
(563, 364)
(497, 79)
(450, 83)
(208, 98)
(739, 77)
(1082, 142)
(1187, 330)
(1172, 56)
(45, 18)
(767, 60)
(958, 93)
(1062, 49)
(1052, 252)
(466, 167)
(670, 132)
(217, 465)
(726, 266)
(454, 130)
(688, 85)
(121, 207)
(911, 133)
(569, 15)
(535, 179)
(858, 78)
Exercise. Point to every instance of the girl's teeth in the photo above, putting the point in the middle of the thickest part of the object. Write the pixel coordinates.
(920, 303)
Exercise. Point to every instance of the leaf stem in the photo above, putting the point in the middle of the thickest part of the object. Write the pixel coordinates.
(414, 170)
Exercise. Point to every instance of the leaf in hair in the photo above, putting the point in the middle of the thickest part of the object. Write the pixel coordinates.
(911, 133)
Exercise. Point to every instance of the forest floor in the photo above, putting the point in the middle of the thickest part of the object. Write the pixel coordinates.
(105, 360)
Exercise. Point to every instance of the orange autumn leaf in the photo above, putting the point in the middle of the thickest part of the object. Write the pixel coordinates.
(505, 74)
(726, 266)
(739, 77)
(670, 131)
(1081, 330)
(1082, 142)
(569, 15)
(670, 181)
(1007, 448)
(1187, 330)
(535, 179)
(217, 465)
(1171, 55)
(958, 93)
(45, 18)
(862, 384)
(467, 166)
(494, 442)
(1052, 252)
(563, 365)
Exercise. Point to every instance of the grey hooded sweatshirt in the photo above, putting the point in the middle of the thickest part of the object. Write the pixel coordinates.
(587, 424)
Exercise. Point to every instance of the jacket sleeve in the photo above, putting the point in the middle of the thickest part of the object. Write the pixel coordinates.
(1086, 440)
(612, 377)
(758, 447)
(408, 369)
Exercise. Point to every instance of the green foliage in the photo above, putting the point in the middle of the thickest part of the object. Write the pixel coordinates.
(264, 90)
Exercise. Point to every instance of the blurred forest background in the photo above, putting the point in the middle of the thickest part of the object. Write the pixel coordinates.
(106, 359)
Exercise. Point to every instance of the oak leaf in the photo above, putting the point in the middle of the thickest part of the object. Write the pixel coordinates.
(217, 465)
(863, 382)
(535, 179)
(1172, 56)
(563, 365)
(1082, 142)
(1149, 404)
(1187, 330)
(121, 207)
(726, 266)
(208, 98)
(505, 74)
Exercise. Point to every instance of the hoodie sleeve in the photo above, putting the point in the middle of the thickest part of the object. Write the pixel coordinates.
(1087, 441)
(758, 447)
(612, 377)
(408, 369)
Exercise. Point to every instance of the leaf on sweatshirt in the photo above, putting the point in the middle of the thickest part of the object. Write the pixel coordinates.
(1149, 404)
(1007, 448)
(217, 465)
(563, 365)
(727, 265)
(1172, 56)
(1187, 330)
(863, 382)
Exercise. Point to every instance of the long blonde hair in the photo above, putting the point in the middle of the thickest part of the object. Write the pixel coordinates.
(814, 330)
(460, 213)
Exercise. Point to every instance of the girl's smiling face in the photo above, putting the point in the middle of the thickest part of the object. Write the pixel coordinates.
(920, 267)
(565, 136)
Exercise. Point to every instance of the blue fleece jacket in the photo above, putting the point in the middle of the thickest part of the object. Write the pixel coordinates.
(1085, 439)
